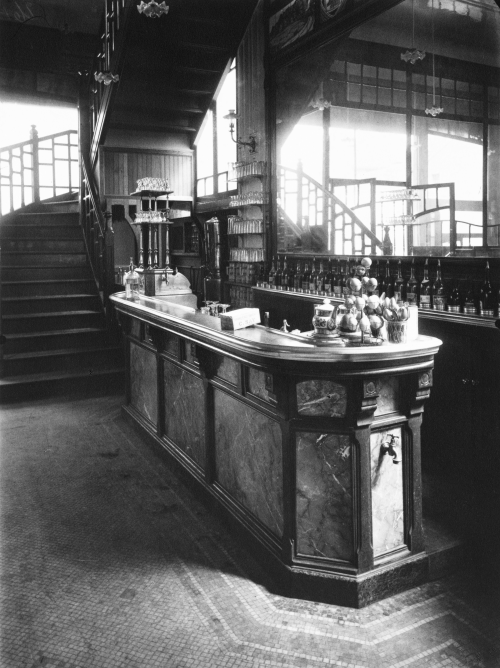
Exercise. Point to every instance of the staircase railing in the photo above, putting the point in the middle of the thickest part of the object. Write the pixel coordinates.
(37, 169)
(321, 216)
(109, 59)
(98, 234)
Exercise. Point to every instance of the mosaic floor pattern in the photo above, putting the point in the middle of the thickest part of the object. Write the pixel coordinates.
(108, 561)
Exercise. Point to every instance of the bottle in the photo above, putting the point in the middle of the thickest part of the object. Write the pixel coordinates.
(387, 247)
(454, 299)
(272, 276)
(285, 275)
(329, 280)
(279, 275)
(412, 286)
(321, 278)
(304, 284)
(131, 282)
(470, 299)
(297, 277)
(399, 283)
(439, 292)
(389, 284)
(426, 288)
(336, 282)
(346, 290)
(313, 279)
(487, 296)
(291, 277)
(381, 286)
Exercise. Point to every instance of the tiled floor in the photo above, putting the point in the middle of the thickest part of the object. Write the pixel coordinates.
(108, 561)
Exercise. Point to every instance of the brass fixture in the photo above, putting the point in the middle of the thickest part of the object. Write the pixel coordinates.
(251, 143)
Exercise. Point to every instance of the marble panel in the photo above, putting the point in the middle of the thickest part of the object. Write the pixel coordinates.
(257, 384)
(387, 492)
(135, 329)
(321, 397)
(324, 521)
(388, 400)
(228, 369)
(249, 460)
(143, 379)
(185, 411)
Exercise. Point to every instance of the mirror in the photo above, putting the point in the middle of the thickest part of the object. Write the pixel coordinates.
(388, 139)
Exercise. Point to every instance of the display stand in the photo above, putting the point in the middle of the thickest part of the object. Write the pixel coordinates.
(154, 240)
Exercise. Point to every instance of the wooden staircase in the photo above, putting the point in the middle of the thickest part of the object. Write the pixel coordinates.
(52, 317)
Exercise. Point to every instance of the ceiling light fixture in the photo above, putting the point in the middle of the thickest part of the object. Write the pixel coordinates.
(411, 56)
(433, 111)
(251, 143)
(106, 78)
(152, 9)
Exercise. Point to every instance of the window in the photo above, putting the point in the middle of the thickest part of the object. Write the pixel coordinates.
(215, 150)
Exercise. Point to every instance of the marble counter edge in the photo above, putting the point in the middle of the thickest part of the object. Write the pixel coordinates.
(423, 347)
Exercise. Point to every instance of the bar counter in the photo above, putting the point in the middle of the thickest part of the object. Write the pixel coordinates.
(312, 453)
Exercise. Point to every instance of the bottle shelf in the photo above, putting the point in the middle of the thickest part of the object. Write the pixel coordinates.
(246, 255)
(238, 225)
(254, 198)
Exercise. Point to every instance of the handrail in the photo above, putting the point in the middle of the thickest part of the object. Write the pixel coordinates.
(98, 235)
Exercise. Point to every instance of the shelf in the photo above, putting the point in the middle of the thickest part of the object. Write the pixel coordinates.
(151, 193)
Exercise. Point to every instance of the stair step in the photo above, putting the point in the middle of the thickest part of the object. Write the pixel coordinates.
(100, 382)
(52, 218)
(43, 258)
(68, 359)
(46, 288)
(17, 231)
(81, 337)
(39, 246)
(27, 322)
(38, 272)
(50, 303)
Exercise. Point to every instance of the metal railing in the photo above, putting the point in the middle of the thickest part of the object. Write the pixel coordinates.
(213, 185)
(37, 169)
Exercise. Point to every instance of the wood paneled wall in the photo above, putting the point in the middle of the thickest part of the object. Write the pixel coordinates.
(250, 91)
(120, 170)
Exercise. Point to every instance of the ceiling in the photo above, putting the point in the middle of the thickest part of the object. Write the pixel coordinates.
(172, 64)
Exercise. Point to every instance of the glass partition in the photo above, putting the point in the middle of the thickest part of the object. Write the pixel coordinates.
(382, 153)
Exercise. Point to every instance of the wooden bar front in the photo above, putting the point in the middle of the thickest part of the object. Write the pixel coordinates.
(312, 453)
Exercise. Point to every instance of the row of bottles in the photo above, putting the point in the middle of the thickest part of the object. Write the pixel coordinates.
(332, 278)
(240, 297)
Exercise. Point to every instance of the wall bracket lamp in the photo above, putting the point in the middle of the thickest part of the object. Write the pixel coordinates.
(251, 143)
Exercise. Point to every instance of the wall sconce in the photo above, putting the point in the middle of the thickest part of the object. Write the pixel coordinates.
(152, 9)
(251, 143)
(106, 78)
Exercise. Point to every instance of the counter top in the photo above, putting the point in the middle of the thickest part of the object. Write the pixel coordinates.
(266, 342)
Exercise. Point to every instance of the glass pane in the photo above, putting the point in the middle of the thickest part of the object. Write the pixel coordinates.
(222, 184)
(61, 152)
(28, 195)
(28, 159)
(226, 100)
(75, 172)
(16, 197)
(74, 152)
(493, 172)
(46, 176)
(74, 139)
(45, 193)
(62, 174)
(28, 177)
(5, 199)
(205, 148)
